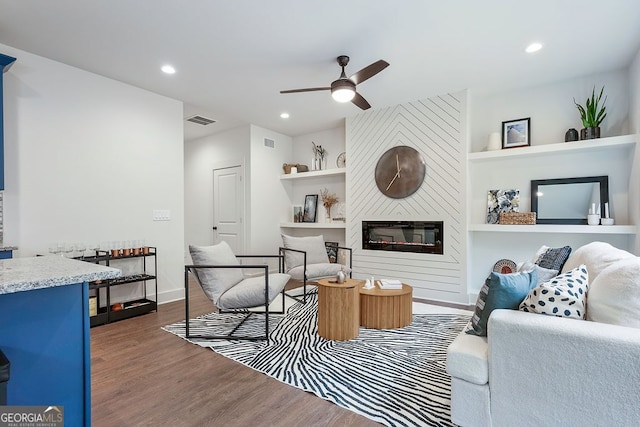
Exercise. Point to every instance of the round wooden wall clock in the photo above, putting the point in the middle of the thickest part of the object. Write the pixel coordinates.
(400, 172)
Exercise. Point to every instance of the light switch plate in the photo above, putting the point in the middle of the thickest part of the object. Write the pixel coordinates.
(161, 215)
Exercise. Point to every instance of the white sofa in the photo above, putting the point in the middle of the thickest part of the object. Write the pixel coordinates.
(541, 370)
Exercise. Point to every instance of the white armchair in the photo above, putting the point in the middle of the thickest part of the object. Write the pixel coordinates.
(305, 259)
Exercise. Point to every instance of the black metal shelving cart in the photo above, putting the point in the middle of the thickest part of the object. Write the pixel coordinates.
(112, 312)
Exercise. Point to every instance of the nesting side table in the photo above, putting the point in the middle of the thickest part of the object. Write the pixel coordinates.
(339, 309)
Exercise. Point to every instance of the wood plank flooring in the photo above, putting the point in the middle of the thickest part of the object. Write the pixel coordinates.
(144, 376)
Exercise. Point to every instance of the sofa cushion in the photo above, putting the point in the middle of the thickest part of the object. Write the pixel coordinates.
(596, 256)
(562, 296)
(500, 291)
(468, 359)
(544, 274)
(552, 258)
(614, 296)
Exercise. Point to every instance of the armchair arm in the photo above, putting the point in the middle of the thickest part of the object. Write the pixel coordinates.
(282, 250)
(573, 372)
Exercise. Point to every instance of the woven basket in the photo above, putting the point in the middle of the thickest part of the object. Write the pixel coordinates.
(301, 168)
(517, 218)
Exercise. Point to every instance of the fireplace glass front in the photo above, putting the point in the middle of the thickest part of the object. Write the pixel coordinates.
(403, 236)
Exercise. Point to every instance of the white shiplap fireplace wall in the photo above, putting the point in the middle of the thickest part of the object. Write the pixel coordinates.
(437, 128)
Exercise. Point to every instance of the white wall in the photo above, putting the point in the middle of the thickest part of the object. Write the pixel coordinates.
(332, 140)
(201, 157)
(550, 108)
(89, 159)
(268, 201)
(634, 123)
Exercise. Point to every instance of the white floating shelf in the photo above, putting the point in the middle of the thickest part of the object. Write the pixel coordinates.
(555, 228)
(313, 174)
(337, 225)
(621, 142)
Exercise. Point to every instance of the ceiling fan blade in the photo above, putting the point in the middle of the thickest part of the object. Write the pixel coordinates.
(309, 89)
(369, 71)
(360, 102)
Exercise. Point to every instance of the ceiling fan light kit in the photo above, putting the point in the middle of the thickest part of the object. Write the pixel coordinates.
(344, 89)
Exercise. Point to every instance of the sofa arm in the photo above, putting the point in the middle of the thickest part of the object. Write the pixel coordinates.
(546, 370)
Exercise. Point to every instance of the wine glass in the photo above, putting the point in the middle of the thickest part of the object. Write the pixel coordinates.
(67, 248)
(55, 248)
(81, 247)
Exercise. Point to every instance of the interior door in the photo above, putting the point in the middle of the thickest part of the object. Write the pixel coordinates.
(228, 207)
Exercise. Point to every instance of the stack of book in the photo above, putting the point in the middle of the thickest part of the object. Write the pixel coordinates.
(389, 284)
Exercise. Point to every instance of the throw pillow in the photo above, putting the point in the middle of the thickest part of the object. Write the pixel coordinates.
(614, 296)
(596, 256)
(500, 291)
(563, 296)
(312, 245)
(215, 281)
(554, 258)
(544, 274)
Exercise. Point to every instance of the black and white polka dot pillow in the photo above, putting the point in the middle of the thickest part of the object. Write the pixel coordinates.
(563, 296)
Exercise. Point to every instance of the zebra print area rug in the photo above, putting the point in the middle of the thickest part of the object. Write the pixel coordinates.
(396, 377)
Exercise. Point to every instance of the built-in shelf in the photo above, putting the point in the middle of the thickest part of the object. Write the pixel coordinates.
(555, 228)
(624, 142)
(312, 174)
(337, 225)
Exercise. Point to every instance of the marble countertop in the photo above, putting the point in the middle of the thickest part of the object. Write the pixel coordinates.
(27, 274)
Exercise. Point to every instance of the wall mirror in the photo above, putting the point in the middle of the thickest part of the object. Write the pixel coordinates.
(568, 200)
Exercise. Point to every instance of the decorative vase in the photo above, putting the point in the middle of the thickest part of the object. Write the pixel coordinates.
(340, 277)
(590, 133)
(571, 135)
(327, 214)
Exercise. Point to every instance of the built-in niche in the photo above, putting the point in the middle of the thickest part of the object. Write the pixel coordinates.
(569, 200)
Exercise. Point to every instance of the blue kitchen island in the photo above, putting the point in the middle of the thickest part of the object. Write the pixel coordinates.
(44, 332)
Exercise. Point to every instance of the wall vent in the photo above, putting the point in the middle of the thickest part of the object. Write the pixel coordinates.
(269, 143)
(200, 120)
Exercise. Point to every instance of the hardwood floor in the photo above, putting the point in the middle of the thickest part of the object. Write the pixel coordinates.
(144, 376)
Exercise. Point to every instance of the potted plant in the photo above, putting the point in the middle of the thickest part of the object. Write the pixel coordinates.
(592, 114)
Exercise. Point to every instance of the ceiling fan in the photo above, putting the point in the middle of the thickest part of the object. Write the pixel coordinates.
(344, 89)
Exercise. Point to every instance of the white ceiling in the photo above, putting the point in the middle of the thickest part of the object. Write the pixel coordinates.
(233, 57)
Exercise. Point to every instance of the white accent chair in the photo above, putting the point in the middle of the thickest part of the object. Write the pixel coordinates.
(220, 274)
(306, 260)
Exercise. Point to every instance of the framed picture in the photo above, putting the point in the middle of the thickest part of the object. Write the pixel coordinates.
(310, 208)
(501, 201)
(332, 251)
(297, 213)
(516, 133)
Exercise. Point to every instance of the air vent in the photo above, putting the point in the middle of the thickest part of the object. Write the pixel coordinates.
(269, 143)
(200, 120)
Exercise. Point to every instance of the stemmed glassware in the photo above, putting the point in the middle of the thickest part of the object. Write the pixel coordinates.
(55, 248)
(80, 248)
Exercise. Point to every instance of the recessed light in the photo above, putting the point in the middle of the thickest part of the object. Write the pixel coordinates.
(284, 115)
(533, 47)
(168, 69)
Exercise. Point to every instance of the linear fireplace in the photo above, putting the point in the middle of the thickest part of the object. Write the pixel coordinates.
(403, 236)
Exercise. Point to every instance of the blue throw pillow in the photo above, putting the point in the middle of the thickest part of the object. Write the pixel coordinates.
(500, 291)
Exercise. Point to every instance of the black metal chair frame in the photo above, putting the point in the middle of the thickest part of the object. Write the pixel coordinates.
(281, 252)
(230, 336)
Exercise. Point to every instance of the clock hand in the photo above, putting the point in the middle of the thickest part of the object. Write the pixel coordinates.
(397, 163)
(393, 180)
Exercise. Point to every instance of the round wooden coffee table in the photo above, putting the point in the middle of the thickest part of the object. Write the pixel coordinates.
(386, 309)
(339, 309)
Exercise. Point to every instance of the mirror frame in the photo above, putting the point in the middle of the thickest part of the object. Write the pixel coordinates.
(603, 181)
